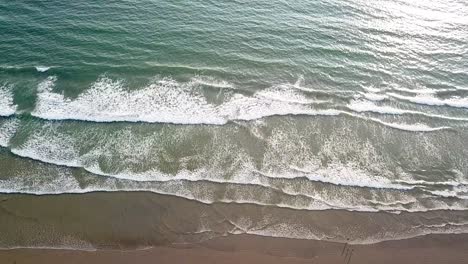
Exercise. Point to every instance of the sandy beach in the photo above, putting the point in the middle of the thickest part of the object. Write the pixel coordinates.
(254, 249)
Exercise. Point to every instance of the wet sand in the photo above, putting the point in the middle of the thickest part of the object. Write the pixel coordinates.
(430, 249)
(175, 230)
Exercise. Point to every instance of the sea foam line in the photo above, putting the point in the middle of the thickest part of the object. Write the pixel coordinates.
(366, 106)
(415, 127)
(186, 194)
(372, 181)
(433, 101)
(200, 176)
(204, 176)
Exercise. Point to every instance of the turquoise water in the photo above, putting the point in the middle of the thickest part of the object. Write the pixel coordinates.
(311, 105)
(335, 45)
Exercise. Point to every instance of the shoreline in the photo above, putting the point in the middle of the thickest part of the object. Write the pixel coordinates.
(121, 227)
(142, 219)
(430, 249)
(395, 242)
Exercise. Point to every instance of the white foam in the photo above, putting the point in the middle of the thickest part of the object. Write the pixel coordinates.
(286, 95)
(7, 130)
(168, 101)
(165, 101)
(374, 96)
(430, 100)
(427, 91)
(50, 146)
(207, 182)
(55, 148)
(7, 107)
(297, 230)
(42, 68)
(417, 127)
(53, 152)
(458, 191)
(419, 91)
(366, 106)
(65, 182)
(42, 181)
(339, 174)
(460, 181)
(372, 89)
(204, 191)
(108, 101)
(47, 85)
(177, 187)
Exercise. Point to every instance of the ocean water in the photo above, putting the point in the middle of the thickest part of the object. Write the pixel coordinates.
(306, 105)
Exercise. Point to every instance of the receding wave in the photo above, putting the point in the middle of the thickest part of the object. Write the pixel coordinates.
(208, 191)
(335, 174)
(58, 148)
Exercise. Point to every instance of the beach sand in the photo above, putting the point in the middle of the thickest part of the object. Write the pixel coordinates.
(430, 249)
